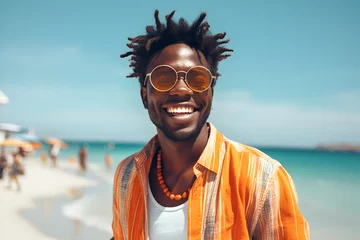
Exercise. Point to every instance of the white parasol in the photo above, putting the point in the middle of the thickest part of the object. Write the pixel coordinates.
(3, 98)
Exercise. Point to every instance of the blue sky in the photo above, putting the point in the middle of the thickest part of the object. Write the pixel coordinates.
(293, 80)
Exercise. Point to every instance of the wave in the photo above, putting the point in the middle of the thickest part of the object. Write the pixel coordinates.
(102, 172)
(94, 210)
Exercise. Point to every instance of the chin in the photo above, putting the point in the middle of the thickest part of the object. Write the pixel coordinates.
(181, 135)
(180, 132)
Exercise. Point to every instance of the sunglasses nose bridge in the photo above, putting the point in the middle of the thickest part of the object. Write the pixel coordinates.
(181, 87)
(181, 75)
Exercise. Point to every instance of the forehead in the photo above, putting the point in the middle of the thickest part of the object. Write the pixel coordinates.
(179, 56)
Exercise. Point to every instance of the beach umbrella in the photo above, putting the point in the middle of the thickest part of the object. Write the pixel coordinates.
(32, 139)
(56, 141)
(12, 128)
(3, 98)
(7, 128)
(36, 145)
(28, 137)
(11, 142)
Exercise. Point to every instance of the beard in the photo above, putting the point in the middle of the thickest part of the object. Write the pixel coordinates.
(185, 134)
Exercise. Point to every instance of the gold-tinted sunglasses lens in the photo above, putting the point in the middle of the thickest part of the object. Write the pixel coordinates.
(163, 78)
(199, 79)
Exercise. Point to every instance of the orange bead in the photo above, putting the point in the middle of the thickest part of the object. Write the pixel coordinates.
(165, 190)
(172, 196)
(163, 185)
(160, 177)
(161, 181)
(168, 194)
(178, 197)
(184, 195)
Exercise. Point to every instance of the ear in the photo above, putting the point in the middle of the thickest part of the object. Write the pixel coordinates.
(143, 94)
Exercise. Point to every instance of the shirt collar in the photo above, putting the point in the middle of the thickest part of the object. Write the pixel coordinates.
(209, 158)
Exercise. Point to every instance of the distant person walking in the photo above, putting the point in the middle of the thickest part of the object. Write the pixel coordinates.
(54, 152)
(83, 158)
(108, 161)
(3, 163)
(43, 158)
(16, 170)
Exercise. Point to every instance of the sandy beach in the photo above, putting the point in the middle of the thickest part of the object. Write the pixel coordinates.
(39, 206)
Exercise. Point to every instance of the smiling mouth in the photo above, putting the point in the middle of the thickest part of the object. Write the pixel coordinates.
(180, 110)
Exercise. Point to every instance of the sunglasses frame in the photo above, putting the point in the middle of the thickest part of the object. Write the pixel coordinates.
(148, 75)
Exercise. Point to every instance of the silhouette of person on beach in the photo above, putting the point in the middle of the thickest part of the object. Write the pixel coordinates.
(83, 158)
(16, 170)
(71, 160)
(3, 163)
(43, 158)
(107, 158)
(54, 152)
(108, 161)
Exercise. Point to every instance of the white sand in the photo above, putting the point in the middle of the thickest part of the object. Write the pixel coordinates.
(39, 182)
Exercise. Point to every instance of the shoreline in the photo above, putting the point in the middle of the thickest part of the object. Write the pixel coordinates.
(38, 209)
(48, 218)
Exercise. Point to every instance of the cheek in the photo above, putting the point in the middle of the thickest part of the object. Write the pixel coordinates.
(155, 99)
(206, 97)
(151, 95)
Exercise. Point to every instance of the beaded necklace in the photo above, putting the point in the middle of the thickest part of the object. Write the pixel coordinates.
(163, 185)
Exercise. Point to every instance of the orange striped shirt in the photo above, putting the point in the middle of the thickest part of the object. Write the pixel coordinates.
(239, 193)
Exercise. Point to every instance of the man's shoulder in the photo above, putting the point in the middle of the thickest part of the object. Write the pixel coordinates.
(252, 163)
(252, 154)
(126, 165)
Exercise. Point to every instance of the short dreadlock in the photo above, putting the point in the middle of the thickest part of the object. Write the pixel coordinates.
(196, 36)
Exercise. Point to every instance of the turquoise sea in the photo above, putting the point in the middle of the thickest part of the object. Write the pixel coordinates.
(328, 185)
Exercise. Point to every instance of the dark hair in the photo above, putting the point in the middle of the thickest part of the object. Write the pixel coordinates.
(196, 36)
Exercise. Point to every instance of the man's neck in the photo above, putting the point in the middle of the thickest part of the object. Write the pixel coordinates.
(179, 156)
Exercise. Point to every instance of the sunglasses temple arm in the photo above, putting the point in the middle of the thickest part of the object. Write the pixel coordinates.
(213, 81)
(146, 77)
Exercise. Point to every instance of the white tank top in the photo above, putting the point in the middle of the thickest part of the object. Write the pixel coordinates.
(167, 222)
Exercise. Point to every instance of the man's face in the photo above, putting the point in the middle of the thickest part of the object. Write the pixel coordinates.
(162, 105)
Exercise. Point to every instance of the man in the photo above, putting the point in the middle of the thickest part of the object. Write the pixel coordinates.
(190, 181)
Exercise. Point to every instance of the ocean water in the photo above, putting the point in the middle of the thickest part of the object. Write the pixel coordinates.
(327, 183)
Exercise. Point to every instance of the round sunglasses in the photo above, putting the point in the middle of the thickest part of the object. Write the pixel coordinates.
(164, 77)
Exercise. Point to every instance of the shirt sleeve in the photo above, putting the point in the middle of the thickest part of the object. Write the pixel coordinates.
(116, 226)
(280, 216)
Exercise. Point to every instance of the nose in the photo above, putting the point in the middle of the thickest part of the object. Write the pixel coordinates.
(181, 89)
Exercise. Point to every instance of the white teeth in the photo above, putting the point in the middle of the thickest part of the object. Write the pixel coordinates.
(180, 110)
